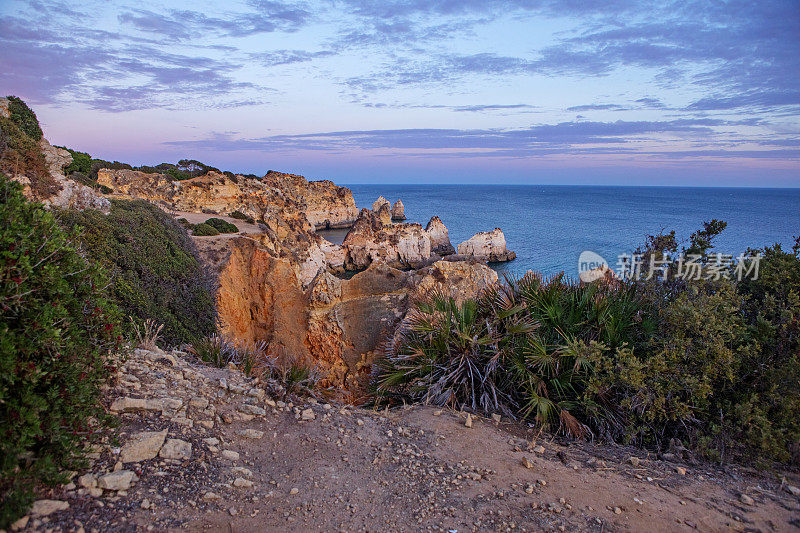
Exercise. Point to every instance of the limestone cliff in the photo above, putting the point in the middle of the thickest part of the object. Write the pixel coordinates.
(333, 323)
(374, 238)
(276, 195)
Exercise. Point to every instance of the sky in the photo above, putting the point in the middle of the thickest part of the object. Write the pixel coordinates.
(421, 91)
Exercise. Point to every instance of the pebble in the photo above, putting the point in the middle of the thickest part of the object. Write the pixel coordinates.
(294, 491)
(468, 422)
(747, 500)
(230, 455)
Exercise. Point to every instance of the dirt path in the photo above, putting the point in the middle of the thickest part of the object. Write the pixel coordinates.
(258, 464)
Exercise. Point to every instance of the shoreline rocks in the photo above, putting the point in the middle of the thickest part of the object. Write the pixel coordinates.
(488, 246)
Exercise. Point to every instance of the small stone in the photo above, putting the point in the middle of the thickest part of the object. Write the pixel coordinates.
(791, 489)
(242, 483)
(468, 421)
(308, 414)
(617, 510)
(250, 409)
(128, 405)
(211, 496)
(251, 433)
(246, 472)
(497, 418)
(176, 449)
(120, 480)
(145, 504)
(21, 523)
(294, 491)
(680, 470)
(360, 422)
(747, 500)
(230, 455)
(635, 461)
(211, 441)
(88, 481)
(198, 402)
(233, 511)
(539, 449)
(527, 462)
(143, 446)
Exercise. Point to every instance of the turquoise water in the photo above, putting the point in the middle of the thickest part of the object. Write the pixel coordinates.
(549, 226)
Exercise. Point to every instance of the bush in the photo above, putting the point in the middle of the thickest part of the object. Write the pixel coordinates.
(204, 230)
(56, 330)
(712, 364)
(241, 216)
(154, 265)
(222, 226)
(81, 162)
(24, 117)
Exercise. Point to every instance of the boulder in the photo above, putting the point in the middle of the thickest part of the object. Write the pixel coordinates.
(119, 480)
(143, 446)
(487, 246)
(46, 507)
(398, 211)
(439, 237)
(176, 449)
(602, 273)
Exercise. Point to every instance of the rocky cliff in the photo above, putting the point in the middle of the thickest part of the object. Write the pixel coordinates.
(276, 195)
(333, 323)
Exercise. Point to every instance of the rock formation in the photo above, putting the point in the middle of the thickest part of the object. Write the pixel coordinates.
(440, 238)
(322, 203)
(603, 273)
(487, 246)
(374, 238)
(398, 211)
(376, 205)
(333, 323)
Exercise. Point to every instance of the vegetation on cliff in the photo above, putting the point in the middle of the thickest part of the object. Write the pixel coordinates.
(711, 363)
(155, 270)
(20, 153)
(57, 327)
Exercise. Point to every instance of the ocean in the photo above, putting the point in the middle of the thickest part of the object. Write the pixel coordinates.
(548, 226)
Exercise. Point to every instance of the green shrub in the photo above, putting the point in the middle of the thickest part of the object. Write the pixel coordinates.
(241, 216)
(204, 230)
(24, 117)
(222, 226)
(81, 162)
(154, 265)
(56, 330)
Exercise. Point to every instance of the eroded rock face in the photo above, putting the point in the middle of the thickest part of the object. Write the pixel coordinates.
(398, 211)
(487, 246)
(374, 238)
(333, 323)
(381, 201)
(322, 203)
(440, 237)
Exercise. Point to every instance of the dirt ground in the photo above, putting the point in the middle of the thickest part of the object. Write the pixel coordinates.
(315, 466)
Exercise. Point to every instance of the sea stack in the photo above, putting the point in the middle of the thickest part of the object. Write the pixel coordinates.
(376, 205)
(440, 238)
(487, 246)
(398, 211)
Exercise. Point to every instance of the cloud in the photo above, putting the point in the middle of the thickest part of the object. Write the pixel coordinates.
(564, 137)
(184, 24)
(597, 107)
(287, 57)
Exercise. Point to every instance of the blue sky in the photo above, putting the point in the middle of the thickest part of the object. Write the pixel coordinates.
(456, 91)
